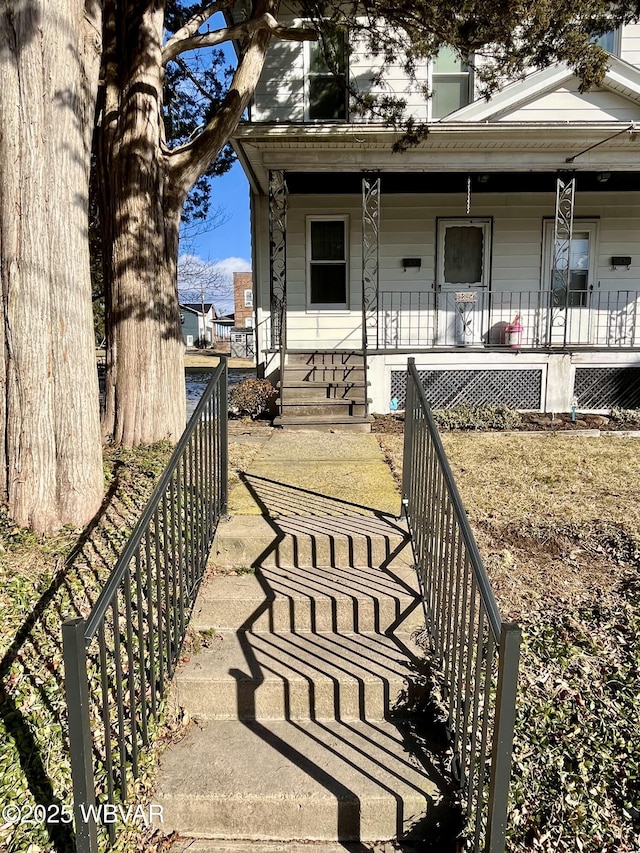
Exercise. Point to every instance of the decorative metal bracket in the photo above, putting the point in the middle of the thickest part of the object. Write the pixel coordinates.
(560, 272)
(278, 194)
(370, 259)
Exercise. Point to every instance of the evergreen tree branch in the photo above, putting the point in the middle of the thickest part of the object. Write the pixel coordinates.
(265, 22)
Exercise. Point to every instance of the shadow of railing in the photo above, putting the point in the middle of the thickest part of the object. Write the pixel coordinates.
(340, 598)
(31, 671)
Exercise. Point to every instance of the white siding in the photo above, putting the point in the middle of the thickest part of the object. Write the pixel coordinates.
(630, 47)
(569, 104)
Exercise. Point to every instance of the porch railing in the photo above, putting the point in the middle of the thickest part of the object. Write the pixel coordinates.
(477, 653)
(428, 319)
(118, 661)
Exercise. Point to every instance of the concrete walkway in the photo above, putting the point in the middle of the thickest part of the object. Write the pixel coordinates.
(303, 734)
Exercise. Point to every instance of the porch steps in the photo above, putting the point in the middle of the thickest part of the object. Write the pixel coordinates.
(299, 732)
(324, 390)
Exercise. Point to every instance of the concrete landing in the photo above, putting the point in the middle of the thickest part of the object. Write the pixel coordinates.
(308, 472)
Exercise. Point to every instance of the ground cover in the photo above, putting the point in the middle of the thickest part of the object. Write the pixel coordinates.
(43, 581)
(558, 524)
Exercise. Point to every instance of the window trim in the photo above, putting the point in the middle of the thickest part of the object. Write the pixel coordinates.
(313, 307)
(248, 297)
(307, 75)
(430, 84)
(591, 224)
(617, 41)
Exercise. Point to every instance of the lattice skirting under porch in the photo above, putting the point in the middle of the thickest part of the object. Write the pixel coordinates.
(607, 387)
(519, 389)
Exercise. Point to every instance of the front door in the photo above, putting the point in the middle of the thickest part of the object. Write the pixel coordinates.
(568, 281)
(462, 284)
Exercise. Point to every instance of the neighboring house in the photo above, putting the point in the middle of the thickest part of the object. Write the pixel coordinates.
(243, 299)
(502, 253)
(197, 325)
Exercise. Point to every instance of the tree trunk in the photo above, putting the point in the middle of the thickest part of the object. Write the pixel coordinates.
(145, 399)
(51, 450)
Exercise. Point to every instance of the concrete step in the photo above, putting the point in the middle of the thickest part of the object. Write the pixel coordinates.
(201, 845)
(246, 541)
(292, 781)
(337, 423)
(311, 599)
(296, 676)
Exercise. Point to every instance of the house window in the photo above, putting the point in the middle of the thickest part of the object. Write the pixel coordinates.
(450, 83)
(610, 41)
(580, 257)
(248, 322)
(326, 78)
(327, 261)
(248, 298)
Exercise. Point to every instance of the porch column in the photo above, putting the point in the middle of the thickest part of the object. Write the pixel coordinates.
(370, 259)
(278, 257)
(562, 233)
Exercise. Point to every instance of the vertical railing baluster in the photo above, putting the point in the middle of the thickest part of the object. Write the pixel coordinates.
(131, 681)
(142, 646)
(122, 738)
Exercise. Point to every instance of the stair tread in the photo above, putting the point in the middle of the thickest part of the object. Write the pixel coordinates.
(297, 655)
(293, 780)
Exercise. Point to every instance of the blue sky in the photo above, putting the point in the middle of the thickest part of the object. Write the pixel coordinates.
(233, 238)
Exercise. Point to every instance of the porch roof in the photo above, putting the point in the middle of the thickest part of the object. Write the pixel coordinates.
(463, 147)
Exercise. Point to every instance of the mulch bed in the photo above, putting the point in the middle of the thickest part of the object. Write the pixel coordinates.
(531, 422)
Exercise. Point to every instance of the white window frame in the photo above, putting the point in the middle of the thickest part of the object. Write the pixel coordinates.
(617, 41)
(313, 307)
(306, 88)
(248, 322)
(589, 224)
(248, 297)
(430, 84)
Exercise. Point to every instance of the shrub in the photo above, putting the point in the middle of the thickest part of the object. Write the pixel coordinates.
(626, 416)
(252, 397)
(202, 343)
(477, 417)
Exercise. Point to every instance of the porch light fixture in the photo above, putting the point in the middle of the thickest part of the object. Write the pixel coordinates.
(483, 179)
(411, 263)
(603, 177)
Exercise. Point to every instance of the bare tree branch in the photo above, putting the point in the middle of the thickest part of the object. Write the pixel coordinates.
(265, 22)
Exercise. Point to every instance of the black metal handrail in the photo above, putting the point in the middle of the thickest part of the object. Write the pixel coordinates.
(119, 660)
(478, 653)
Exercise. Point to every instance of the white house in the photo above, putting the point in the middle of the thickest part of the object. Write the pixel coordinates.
(503, 252)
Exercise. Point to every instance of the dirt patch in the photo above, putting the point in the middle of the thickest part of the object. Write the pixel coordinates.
(555, 521)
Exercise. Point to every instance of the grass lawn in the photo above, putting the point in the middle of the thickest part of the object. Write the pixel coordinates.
(557, 520)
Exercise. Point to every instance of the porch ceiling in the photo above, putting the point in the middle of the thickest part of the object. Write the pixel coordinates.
(320, 183)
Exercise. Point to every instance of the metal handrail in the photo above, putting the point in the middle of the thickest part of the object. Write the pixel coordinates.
(141, 615)
(477, 651)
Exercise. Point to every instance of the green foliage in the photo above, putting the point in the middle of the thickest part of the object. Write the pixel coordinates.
(43, 581)
(576, 774)
(253, 397)
(477, 417)
(626, 416)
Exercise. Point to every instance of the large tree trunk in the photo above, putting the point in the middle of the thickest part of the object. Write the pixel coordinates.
(51, 449)
(145, 399)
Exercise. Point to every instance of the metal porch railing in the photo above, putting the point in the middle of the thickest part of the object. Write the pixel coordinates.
(590, 318)
(476, 652)
(119, 660)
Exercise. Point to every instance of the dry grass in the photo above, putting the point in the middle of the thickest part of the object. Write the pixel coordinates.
(553, 515)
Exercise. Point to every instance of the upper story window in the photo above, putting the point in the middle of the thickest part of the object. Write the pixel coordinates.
(326, 81)
(610, 41)
(248, 298)
(450, 83)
